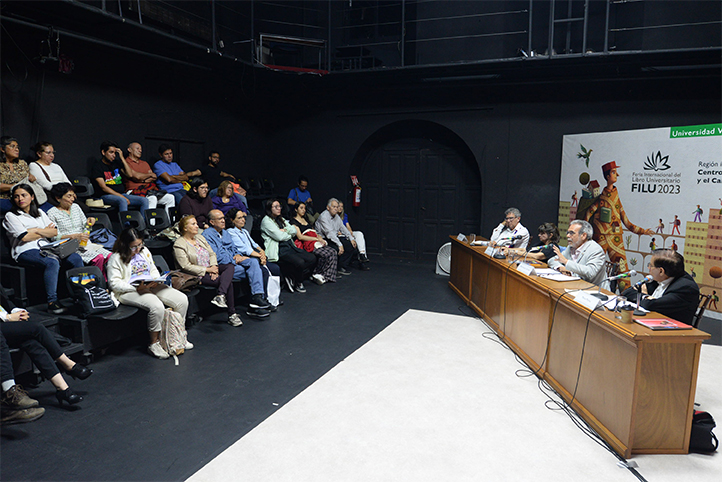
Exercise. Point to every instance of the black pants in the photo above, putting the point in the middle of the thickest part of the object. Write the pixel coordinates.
(36, 341)
(6, 363)
(349, 252)
(295, 262)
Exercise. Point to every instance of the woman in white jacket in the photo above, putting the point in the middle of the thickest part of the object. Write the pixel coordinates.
(131, 259)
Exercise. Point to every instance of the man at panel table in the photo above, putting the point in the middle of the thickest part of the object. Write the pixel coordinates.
(510, 233)
(672, 292)
(582, 256)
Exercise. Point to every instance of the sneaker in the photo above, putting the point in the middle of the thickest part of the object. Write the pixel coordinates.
(289, 284)
(235, 320)
(363, 258)
(258, 313)
(17, 399)
(219, 301)
(56, 308)
(344, 271)
(318, 279)
(10, 417)
(300, 288)
(157, 351)
(189, 345)
(257, 301)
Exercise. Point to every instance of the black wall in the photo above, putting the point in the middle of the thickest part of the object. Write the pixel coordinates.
(279, 125)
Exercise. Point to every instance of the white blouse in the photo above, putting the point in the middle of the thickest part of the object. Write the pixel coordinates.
(17, 225)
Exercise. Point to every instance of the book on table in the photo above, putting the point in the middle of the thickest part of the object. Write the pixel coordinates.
(663, 324)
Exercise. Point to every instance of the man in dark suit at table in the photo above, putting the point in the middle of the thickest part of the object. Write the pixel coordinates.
(672, 292)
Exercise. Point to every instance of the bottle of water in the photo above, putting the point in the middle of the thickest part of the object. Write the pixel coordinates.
(86, 231)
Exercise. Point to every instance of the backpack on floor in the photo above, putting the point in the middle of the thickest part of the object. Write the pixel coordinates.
(702, 440)
(90, 294)
(173, 334)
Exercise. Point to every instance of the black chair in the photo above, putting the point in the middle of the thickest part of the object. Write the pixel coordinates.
(703, 304)
(133, 219)
(159, 218)
(97, 331)
(102, 220)
(85, 190)
(268, 188)
(611, 269)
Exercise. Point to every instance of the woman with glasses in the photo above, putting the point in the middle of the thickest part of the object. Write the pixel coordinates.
(131, 259)
(29, 228)
(12, 170)
(46, 172)
(71, 223)
(197, 202)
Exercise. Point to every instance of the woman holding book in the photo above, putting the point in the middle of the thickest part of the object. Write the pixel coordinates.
(132, 260)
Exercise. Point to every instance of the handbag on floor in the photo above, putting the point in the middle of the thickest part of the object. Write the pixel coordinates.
(173, 334)
(703, 440)
(273, 288)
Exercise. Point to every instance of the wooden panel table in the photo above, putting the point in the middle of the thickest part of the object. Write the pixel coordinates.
(634, 386)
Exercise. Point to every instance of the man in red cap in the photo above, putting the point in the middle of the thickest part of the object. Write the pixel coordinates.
(607, 215)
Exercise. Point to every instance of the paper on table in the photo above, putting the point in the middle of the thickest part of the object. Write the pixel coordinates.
(555, 275)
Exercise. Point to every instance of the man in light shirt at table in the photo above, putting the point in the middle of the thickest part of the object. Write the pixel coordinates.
(583, 256)
(511, 233)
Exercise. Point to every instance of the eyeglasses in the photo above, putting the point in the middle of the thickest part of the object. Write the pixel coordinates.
(137, 248)
(510, 218)
(50, 152)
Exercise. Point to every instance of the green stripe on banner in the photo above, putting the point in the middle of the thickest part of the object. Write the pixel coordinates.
(696, 131)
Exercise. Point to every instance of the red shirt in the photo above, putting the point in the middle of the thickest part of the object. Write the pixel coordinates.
(138, 166)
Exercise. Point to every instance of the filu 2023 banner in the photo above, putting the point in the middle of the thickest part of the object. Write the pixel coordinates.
(647, 189)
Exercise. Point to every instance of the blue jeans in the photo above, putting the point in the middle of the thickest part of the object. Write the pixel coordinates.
(178, 195)
(52, 268)
(122, 206)
(252, 269)
(5, 205)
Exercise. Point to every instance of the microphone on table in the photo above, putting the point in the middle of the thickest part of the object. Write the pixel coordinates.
(511, 240)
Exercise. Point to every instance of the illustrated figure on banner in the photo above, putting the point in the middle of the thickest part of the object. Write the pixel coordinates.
(660, 227)
(674, 246)
(606, 214)
(675, 224)
(698, 214)
(714, 299)
(653, 245)
(574, 199)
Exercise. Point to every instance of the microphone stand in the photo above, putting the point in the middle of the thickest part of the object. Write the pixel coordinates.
(637, 311)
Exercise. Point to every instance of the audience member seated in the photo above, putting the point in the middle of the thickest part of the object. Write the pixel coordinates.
(277, 236)
(548, 234)
(17, 406)
(44, 351)
(358, 236)
(131, 259)
(329, 225)
(71, 222)
(226, 199)
(196, 202)
(28, 229)
(245, 245)
(672, 292)
(309, 240)
(510, 233)
(244, 266)
(46, 173)
(140, 180)
(582, 256)
(301, 194)
(107, 173)
(170, 175)
(12, 170)
(193, 255)
(212, 173)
